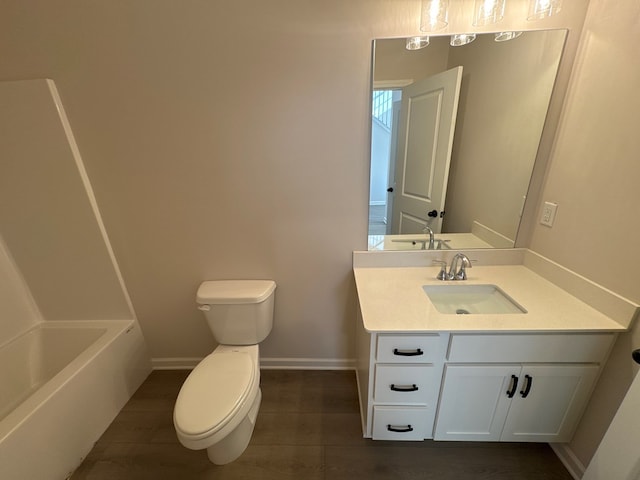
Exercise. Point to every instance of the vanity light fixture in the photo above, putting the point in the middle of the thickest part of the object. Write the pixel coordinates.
(539, 9)
(416, 43)
(506, 36)
(434, 15)
(488, 12)
(462, 39)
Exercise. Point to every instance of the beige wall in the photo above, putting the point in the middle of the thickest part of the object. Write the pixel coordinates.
(46, 216)
(18, 311)
(594, 177)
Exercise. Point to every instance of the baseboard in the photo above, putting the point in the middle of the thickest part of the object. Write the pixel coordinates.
(307, 363)
(267, 363)
(569, 459)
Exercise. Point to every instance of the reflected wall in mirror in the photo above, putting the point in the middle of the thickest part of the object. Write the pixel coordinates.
(475, 198)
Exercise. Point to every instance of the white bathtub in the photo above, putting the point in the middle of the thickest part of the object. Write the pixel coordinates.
(61, 385)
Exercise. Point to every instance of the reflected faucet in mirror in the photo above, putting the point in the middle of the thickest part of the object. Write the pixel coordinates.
(428, 229)
(480, 172)
(426, 242)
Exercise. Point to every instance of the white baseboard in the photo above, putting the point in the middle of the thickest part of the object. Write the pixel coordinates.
(308, 363)
(267, 363)
(569, 459)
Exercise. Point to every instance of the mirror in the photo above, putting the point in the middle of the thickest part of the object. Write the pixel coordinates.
(475, 199)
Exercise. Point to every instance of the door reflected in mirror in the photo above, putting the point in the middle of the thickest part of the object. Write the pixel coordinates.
(455, 157)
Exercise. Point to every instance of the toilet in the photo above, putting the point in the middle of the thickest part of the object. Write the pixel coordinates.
(218, 403)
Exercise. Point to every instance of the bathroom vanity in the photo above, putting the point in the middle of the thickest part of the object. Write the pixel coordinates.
(524, 374)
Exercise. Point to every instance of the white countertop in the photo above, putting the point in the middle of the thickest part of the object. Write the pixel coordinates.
(392, 300)
(454, 241)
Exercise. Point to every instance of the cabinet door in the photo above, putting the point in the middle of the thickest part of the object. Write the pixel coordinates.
(551, 408)
(474, 401)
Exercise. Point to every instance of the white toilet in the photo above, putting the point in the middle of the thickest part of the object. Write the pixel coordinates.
(218, 403)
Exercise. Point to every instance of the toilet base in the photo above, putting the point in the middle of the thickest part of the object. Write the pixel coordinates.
(234, 444)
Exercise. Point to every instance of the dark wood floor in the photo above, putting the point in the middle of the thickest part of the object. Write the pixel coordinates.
(308, 428)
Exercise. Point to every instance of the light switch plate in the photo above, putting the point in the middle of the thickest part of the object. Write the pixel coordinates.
(548, 213)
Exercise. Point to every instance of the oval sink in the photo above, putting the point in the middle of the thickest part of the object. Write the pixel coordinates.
(471, 299)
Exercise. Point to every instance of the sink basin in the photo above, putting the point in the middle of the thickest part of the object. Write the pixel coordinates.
(471, 299)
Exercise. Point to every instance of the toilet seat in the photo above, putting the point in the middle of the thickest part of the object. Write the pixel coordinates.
(216, 396)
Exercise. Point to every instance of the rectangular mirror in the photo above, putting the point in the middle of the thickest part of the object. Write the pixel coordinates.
(455, 133)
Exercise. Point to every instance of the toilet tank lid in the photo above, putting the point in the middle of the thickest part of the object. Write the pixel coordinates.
(218, 292)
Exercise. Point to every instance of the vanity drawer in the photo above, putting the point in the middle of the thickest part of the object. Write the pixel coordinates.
(409, 348)
(404, 384)
(534, 347)
(408, 423)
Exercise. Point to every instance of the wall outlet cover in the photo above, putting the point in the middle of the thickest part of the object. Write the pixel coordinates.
(548, 213)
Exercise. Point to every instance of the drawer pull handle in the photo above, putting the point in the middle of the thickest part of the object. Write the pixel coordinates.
(527, 386)
(406, 429)
(404, 388)
(408, 353)
(514, 385)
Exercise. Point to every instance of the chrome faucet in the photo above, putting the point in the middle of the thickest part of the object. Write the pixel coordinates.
(428, 229)
(461, 273)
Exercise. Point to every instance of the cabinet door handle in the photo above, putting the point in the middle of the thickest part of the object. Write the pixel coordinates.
(514, 385)
(408, 353)
(527, 386)
(404, 388)
(406, 429)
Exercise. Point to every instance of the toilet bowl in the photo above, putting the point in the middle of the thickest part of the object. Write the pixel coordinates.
(218, 403)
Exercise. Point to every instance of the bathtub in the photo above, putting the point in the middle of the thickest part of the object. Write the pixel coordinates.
(61, 385)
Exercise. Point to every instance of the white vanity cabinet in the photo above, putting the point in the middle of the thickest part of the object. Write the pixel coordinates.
(398, 382)
(497, 393)
(462, 386)
(522, 387)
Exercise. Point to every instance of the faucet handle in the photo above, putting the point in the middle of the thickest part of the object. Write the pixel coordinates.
(442, 275)
(461, 275)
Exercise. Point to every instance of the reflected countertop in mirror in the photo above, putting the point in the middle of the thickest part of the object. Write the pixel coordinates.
(498, 119)
(443, 241)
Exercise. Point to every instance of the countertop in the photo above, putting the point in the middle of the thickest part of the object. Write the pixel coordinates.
(392, 300)
(454, 241)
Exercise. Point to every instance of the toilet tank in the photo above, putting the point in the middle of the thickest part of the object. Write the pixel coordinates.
(239, 312)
